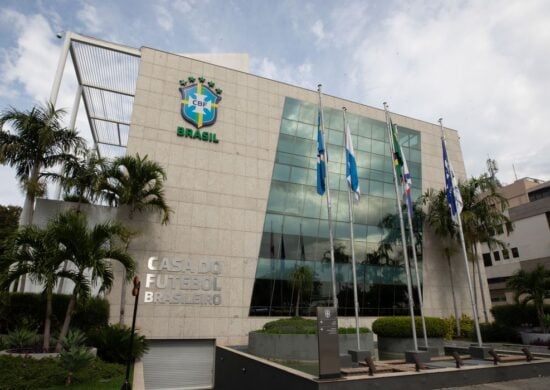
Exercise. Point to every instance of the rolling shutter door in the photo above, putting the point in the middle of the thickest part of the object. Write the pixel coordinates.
(179, 364)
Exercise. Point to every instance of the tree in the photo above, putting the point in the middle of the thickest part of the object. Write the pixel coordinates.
(89, 251)
(37, 142)
(9, 222)
(82, 177)
(138, 183)
(482, 215)
(438, 217)
(36, 254)
(532, 286)
(302, 280)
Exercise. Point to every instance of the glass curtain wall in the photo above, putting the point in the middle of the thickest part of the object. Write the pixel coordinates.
(296, 234)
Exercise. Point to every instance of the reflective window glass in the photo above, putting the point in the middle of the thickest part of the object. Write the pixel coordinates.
(308, 114)
(379, 131)
(288, 127)
(281, 172)
(298, 175)
(291, 109)
(307, 131)
(378, 147)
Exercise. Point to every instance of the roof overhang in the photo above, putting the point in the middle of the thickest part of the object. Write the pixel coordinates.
(107, 74)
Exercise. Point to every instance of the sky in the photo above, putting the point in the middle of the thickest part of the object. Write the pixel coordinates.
(482, 65)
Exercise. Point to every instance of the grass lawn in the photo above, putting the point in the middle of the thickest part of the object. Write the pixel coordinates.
(100, 384)
(28, 373)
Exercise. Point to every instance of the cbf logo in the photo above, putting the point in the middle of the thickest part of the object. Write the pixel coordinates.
(199, 102)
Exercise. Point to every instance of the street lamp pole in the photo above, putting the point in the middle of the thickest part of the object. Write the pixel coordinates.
(135, 292)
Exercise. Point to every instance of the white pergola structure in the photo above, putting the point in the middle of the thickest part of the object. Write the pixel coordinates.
(106, 74)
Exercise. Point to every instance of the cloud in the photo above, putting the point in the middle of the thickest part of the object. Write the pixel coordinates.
(301, 74)
(318, 30)
(477, 64)
(164, 17)
(88, 15)
(31, 63)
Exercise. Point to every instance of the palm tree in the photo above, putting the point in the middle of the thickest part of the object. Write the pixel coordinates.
(89, 252)
(532, 286)
(482, 213)
(82, 177)
(37, 142)
(302, 280)
(36, 254)
(138, 183)
(439, 218)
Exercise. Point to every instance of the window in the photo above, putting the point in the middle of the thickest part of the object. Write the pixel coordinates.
(515, 252)
(505, 254)
(496, 254)
(487, 259)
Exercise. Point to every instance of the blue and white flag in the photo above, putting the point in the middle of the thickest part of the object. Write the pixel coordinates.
(451, 186)
(351, 166)
(321, 167)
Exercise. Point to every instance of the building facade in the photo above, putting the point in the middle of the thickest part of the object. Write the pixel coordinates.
(241, 181)
(526, 238)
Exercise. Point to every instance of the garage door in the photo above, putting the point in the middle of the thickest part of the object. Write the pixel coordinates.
(179, 364)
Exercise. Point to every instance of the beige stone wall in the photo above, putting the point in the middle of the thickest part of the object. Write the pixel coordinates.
(219, 191)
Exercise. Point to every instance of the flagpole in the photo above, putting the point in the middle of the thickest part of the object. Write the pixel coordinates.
(272, 266)
(353, 268)
(329, 204)
(402, 226)
(415, 259)
(464, 253)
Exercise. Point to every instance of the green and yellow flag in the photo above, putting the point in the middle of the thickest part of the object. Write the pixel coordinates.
(397, 154)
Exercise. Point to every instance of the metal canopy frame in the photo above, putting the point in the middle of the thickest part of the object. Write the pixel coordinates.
(107, 74)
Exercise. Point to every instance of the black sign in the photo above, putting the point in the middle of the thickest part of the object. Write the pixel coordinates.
(327, 336)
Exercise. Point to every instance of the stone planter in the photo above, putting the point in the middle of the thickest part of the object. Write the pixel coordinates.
(400, 345)
(300, 346)
(529, 337)
(92, 350)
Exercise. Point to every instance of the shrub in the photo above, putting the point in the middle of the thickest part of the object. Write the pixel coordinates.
(112, 343)
(74, 338)
(517, 315)
(401, 326)
(21, 338)
(299, 325)
(450, 328)
(29, 309)
(351, 330)
(495, 332)
(74, 359)
(467, 327)
(293, 325)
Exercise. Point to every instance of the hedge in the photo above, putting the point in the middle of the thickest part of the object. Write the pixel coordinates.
(495, 332)
(29, 309)
(299, 325)
(401, 327)
(517, 315)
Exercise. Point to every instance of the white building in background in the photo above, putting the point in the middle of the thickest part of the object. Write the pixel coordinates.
(527, 239)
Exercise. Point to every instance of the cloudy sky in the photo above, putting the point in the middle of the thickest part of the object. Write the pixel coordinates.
(484, 66)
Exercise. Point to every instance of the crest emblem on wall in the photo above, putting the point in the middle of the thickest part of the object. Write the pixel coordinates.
(199, 102)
